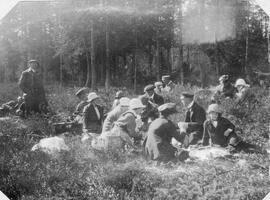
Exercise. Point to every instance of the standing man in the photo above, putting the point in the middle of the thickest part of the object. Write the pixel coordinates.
(195, 117)
(32, 86)
(152, 96)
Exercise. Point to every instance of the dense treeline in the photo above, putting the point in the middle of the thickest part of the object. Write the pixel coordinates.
(128, 42)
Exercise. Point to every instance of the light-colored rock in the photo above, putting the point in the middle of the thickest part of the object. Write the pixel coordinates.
(52, 146)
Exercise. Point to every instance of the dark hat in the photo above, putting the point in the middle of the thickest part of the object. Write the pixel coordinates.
(119, 94)
(168, 108)
(166, 77)
(187, 95)
(81, 91)
(149, 87)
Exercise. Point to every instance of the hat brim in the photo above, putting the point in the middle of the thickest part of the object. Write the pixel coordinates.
(89, 100)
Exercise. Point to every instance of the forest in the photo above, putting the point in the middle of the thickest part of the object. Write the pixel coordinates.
(131, 43)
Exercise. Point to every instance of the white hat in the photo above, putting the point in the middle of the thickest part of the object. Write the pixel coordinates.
(135, 104)
(91, 96)
(241, 82)
(124, 101)
(214, 108)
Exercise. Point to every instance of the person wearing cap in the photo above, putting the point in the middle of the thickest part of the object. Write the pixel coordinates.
(168, 85)
(158, 145)
(219, 130)
(225, 88)
(113, 115)
(119, 94)
(123, 131)
(31, 84)
(158, 87)
(92, 115)
(194, 117)
(152, 96)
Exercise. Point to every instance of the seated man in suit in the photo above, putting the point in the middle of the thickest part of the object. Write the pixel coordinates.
(152, 96)
(92, 115)
(195, 117)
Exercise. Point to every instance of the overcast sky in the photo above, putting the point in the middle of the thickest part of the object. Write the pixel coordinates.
(7, 5)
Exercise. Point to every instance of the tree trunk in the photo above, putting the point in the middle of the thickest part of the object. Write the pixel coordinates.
(61, 69)
(181, 56)
(88, 63)
(135, 61)
(93, 58)
(202, 28)
(217, 31)
(108, 74)
(158, 58)
(268, 42)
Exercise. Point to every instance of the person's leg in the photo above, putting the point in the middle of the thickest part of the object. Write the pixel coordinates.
(194, 137)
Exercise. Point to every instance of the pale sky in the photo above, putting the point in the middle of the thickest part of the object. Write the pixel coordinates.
(7, 5)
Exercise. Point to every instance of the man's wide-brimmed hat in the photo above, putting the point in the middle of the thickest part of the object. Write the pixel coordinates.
(92, 96)
(135, 104)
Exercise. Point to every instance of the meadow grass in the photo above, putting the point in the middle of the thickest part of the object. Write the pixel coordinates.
(84, 173)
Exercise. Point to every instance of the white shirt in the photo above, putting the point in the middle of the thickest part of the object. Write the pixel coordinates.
(97, 111)
(190, 105)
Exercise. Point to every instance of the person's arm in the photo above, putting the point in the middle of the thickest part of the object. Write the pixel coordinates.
(206, 137)
(24, 83)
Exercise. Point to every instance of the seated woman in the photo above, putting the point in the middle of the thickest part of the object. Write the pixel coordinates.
(123, 131)
(92, 115)
(220, 131)
(161, 131)
(113, 115)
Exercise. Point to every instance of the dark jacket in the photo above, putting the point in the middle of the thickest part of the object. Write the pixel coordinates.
(157, 99)
(158, 145)
(32, 85)
(91, 122)
(218, 135)
(196, 114)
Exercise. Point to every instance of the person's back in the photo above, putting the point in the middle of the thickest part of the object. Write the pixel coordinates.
(160, 133)
(113, 117)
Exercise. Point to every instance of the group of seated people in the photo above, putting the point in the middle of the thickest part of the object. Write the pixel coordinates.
(147, 120)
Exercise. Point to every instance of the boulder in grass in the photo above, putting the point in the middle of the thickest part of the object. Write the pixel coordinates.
(208, 153)
(51, 146)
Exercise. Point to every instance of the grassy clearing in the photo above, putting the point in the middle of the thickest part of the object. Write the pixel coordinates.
(85, 174)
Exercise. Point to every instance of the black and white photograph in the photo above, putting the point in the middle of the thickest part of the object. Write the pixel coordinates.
(135, 100)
